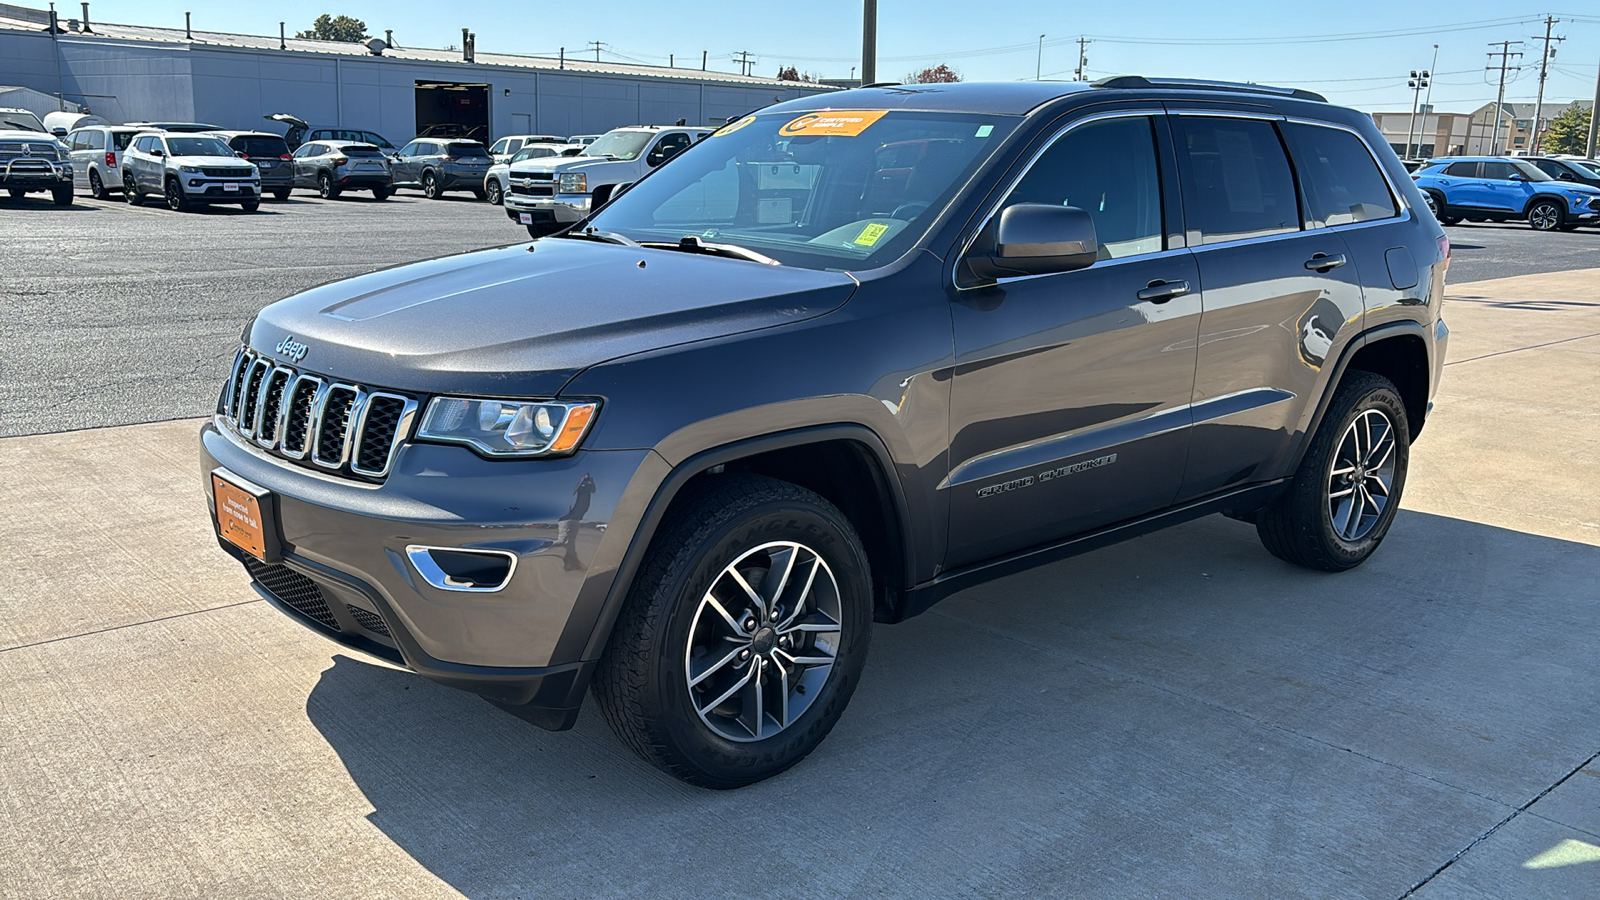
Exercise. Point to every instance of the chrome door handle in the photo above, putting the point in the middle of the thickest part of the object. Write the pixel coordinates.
(1161, 291)
(1322, 262)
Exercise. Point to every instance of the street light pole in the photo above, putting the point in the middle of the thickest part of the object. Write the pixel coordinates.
(1419, 80)
(1038, 69)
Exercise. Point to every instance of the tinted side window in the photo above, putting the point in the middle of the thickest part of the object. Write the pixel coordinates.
(120, 139)
(409, 149)
(1107, 169)
(80, 140)
(1462, 170)
(1342, 181)
(1498, 171)
(1550, 167)
(1239, 183)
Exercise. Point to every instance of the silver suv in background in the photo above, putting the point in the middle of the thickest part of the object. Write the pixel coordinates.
(437, 165)
(504, 148)
(188, 170)
(269, 154)
(96, 152)
(333, 167)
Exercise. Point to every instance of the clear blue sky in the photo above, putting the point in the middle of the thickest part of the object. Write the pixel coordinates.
(1256, 40)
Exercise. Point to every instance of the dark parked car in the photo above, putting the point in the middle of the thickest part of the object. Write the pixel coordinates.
(333, 167)
(1574, 170)
(269, 154)
(688, 451)
(437, 166)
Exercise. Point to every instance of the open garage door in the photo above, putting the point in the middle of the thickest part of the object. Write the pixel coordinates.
(448, 109)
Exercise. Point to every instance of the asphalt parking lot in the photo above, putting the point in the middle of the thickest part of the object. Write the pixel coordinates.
(1177, 716)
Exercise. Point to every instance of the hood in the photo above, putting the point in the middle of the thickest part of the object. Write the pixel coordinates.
(523, 320)
(1587, 190)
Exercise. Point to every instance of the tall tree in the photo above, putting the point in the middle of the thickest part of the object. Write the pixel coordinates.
(1568, 132)
(336, 28)
(790, 73)
(940, 74)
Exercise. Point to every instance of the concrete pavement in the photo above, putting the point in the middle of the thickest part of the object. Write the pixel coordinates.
(1178, 716)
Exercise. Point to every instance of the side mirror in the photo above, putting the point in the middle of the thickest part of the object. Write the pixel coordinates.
(1566, 176)
(1516, 177)
(158, 152)
(58, 131)
(1035, 239)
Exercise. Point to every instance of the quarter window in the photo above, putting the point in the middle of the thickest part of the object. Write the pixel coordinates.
(1342, 181)
(1109, 170)
(1239, 184)
(96, 140)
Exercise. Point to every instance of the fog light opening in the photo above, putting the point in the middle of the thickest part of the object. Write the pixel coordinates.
(454, 569)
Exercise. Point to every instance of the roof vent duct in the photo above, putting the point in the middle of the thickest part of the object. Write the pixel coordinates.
(376, 46)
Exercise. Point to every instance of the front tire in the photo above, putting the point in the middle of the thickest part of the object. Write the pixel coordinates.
(1546, 215)
(280, 193)
(382, 193)
(744, 634)
(176, 201)
(1345, 494)
(250, 205)
(62, 196)
(430, 186)
(493, 194)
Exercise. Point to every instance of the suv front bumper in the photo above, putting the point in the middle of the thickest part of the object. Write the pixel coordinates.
(343, 570)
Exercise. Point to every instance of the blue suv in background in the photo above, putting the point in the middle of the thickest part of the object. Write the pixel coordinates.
(1494, 189)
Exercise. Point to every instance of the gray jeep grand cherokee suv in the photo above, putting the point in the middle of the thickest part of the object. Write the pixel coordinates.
(827, 367)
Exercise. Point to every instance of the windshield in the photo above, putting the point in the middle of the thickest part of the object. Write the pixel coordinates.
(1530, 171)
(837, 190)
(533, 153)
(619, 144)
(1586, 168)
(21, 119)
(197, 146)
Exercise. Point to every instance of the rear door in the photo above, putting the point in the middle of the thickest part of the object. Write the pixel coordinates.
(1501, 193)
(1464, 186)
(1277, 298)
(1069, 404)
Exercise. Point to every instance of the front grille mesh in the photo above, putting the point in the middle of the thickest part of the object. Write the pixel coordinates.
(293, 590)
(367, 619)
(338, 427)
(228, 171)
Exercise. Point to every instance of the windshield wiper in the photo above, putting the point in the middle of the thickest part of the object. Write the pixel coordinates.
(609, 237)
(692, 244)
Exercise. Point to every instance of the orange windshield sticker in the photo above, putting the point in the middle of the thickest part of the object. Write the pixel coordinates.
(870, 234)
(844, 123)
(731, 127)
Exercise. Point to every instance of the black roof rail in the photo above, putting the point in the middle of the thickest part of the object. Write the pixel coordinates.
(883, 84)
(1140, 81)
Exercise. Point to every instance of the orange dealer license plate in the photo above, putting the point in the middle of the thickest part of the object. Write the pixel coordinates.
(242, 517)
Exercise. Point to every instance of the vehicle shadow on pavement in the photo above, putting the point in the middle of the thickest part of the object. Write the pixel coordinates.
(1177, 715)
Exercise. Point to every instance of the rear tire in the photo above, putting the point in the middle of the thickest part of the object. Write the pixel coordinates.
(430, 186)
(1343, 498)
(325, 188)
(772, 675)
(97, 188)
(382, 193)
(16, 193)
(130, 192)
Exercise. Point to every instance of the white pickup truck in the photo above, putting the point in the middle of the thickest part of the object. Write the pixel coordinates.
(546, 195)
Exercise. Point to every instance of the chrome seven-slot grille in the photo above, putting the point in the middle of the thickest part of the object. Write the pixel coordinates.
(538, 184)
(336, 426)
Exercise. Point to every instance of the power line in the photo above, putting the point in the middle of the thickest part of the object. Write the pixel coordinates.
(1505, 53)
(1544, 71)
(745, 61)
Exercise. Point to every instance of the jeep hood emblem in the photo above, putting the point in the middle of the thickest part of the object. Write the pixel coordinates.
(291, 348)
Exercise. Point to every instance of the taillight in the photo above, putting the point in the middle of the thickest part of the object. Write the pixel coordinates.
(1444, 250)
(284, 156)
(1416, 177)
(339, 160)
(111, 159)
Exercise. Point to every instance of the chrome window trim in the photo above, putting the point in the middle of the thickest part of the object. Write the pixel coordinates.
(311, 416)
(272, 440)
(321, 411)
(407, 414)
(436, 577)
(996, 207)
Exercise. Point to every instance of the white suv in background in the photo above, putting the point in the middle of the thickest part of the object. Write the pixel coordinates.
(96, 152)
(503, 149)
(547, 195)
(188, 170)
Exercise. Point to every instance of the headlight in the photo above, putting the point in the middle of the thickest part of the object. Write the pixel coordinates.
(508, 427)
(573, 183)
(192, 170)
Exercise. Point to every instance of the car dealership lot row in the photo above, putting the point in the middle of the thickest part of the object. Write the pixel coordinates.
(1071, 729)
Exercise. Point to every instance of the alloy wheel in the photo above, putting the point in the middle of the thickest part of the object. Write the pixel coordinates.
(430, 187)
(1362, 475)
(97, 189)
(763, 641)
(1544, 216)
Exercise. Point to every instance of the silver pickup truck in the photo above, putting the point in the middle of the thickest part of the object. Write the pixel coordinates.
(549, 194)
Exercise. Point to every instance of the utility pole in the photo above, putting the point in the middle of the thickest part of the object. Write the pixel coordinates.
(1594, 120)
(1083, 60)
(1544, 69)
(1427, 107)
(596, 45)
(1038, 68)
(1505, 53)
(744, 60)
(1419, 80)
(869, 41)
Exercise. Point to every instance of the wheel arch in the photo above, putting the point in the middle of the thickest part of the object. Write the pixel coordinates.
(1533, 201)
(847, 464)
(1397, 351)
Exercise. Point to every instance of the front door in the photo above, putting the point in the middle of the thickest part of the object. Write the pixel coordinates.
(1278, 298)
(1069, 407)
